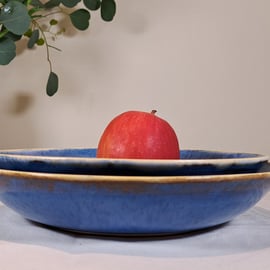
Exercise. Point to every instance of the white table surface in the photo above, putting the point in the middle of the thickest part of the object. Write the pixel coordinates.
(243, 243)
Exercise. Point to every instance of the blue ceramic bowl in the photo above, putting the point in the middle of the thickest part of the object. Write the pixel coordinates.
(131, 205)
(84, 161)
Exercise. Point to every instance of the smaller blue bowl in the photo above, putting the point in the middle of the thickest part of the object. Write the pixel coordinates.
(84, 161)
(131, 205)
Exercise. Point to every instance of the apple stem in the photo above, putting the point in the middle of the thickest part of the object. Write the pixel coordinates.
(153, 111)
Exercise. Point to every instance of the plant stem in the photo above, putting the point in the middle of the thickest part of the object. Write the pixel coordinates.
(51, 13)
(46, 43)
(59, 11)
(3, 33)
(57, 49)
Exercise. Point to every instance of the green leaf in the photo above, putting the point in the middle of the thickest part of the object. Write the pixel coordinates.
(92, 4)
(108, 10)
(70, 3)
(53, 22)
(52, 84)
(28, 33)
(52, 3)
(37, 4)
(14, 16)
(40, 42)
(13, 36)
(7, 51)
(33, 10)
(80, 19)
(33, 39)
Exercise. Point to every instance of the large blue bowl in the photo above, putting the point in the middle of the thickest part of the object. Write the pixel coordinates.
(131, 205)
(84, 161)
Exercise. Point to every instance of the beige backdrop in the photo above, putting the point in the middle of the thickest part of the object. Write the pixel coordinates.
(204, 65)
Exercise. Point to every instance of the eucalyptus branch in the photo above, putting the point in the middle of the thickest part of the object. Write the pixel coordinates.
(23, 19)
(35, 23)
(59, 11)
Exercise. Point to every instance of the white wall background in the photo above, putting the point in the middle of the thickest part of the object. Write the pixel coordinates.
(204, 65)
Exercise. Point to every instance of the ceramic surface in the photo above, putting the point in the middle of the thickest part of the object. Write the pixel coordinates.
(84, 161)
(131, 205)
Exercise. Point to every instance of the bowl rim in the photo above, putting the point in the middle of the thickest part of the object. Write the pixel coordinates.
(79, 178)
(250, 159)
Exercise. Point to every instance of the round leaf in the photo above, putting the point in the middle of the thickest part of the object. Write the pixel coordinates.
(70, 3)
(52, 4)
(52, 84)
(14, 16)
(108, 10)
(33, 39)
(13, 36)
(80, 19)
(37, 4)
(28, 33)
(53, 22)
(40, 42)
(7, 51)
(92, 4)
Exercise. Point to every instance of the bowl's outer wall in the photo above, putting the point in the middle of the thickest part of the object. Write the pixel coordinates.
(131, 207)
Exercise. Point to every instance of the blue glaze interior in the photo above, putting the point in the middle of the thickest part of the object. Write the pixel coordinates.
(82, 152)
(37, 161)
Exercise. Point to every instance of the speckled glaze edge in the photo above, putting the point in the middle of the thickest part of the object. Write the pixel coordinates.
(254, 158)
(139, 179)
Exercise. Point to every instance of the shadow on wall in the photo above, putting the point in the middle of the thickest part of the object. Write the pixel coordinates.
(16, 120)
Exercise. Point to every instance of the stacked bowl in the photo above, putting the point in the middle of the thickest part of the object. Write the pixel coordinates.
(73, 190)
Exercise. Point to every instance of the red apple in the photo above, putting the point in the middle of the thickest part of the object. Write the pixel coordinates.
(136, 134)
